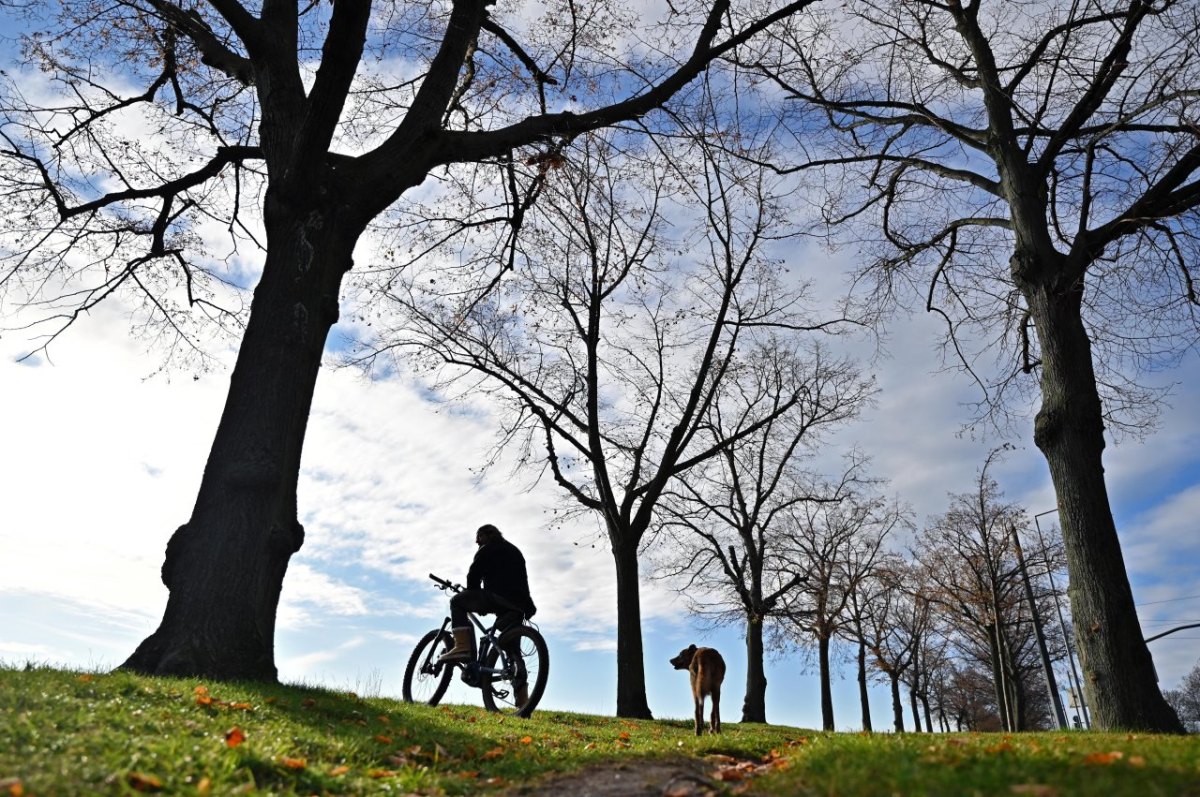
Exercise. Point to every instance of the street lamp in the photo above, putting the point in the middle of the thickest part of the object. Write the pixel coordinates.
(1076, 684)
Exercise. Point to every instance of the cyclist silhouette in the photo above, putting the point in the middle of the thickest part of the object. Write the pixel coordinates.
(497, 583)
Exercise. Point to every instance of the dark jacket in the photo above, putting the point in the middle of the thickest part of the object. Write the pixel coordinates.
(500, 568)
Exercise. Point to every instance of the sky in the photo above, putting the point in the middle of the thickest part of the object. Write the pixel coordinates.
(102, 459)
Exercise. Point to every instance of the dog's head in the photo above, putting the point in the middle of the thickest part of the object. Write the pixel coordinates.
(684, 659)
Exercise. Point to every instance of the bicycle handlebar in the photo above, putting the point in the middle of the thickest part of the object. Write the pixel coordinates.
(444, 584)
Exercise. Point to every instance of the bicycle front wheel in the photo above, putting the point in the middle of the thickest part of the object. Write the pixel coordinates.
(525, 666)
(426, 681)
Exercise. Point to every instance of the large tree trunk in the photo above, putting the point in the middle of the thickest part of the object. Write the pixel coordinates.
(1118, 672)
(862, 686)
(754, 707)
(897, 707)
(224, 568)
(916, 712)
(826, 687)
(631, 672)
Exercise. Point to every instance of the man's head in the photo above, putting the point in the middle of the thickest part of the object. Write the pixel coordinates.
(487, 533)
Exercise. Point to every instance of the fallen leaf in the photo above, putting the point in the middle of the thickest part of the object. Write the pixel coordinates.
(729, 774)
(1034, 790)
(384, 719)
(526, 740)
(241, 706)
(495, 752)
(271, 700)
(469, 773)
(1137, 761)
(383, 739)
(308, 702)
(720, 758)
(590, 746)
(12, 787)
(624, 735)
(201, 690)
(204, 786)
(293, 763)
(494, 781)
(382, 773)
(140, 782)
(203, 700)
(85, 678)
(1104, 759)
(234, 737)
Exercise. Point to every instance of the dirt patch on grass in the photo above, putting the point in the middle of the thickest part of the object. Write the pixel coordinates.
(681, 777)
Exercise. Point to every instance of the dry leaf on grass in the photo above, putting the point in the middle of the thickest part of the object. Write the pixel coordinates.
(142, 782)
(1104, 759)
(234, 736)
(1034, 790)
(293, 763)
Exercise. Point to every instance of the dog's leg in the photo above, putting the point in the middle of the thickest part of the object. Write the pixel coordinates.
(716, 710)
(699, 699)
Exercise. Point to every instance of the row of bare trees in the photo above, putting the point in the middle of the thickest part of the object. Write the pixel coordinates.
(586, 212)
(943, 612)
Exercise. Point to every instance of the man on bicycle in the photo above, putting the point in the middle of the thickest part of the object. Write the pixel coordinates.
(496, 584)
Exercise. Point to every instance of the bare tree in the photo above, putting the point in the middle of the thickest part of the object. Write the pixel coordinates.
(837, 546)
(1029, 171)
(293, 125)
(975, 580)
(738, 510)
(612, 354)
(1186, 699)
(892, 623)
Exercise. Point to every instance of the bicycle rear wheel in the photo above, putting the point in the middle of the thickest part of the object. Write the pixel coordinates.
(426, 681)
(526, 665)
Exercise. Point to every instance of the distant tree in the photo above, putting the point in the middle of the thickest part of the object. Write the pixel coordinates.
(144, 129)
(1186, 699)
(974, 579)
(892, 624)
(837, 546)
(1029, 171)
(731, 517)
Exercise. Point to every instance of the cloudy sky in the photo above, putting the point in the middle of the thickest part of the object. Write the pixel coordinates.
(102, 461)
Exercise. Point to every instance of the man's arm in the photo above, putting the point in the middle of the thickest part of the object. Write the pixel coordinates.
(476, 571)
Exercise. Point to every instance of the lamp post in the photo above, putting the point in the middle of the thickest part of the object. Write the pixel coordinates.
(1073, 673)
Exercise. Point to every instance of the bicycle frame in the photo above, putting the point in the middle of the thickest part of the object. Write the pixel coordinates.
(473, 668)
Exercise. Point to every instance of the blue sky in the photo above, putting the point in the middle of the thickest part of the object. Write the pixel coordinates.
(101, 463)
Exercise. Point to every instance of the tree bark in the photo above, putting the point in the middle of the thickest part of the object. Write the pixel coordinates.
(862, 686)
(826, 688)
(897, 707)
(754, 706)
(224, 568)
(916, 711)
(631, 672)
(1118, 672)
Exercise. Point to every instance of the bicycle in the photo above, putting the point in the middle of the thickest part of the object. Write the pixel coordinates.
(519, 650)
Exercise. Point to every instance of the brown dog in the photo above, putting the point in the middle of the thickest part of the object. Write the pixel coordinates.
(707, 670)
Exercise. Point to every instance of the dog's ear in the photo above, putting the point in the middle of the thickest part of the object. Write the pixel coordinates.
(691, 649)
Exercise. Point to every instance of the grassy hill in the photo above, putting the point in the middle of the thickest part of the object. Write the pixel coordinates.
(64, 733)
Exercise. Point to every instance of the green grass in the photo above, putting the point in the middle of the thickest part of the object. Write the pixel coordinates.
(65, 733)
